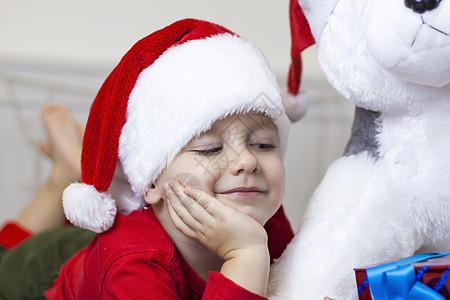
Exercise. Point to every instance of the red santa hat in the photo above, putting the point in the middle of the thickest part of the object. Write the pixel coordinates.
(170, 87)
(301, 38)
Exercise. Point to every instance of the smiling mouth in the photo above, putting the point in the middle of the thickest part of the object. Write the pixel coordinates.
(244, 192)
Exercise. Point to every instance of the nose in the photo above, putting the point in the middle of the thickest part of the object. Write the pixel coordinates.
(245, 162)
(421, 6)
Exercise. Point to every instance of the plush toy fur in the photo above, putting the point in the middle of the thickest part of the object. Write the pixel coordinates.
(388, 196)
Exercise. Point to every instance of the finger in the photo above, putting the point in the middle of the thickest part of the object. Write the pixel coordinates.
(178, 223)
(207, 202)
(182, 212)
(184, 199)
(195, 209)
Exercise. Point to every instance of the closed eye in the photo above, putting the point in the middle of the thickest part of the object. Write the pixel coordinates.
(264, 147)
(207, 152)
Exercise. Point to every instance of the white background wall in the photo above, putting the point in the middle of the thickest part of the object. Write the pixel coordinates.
(61, 51)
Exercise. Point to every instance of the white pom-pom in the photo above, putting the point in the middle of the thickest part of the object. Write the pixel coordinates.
(294, 105)
(87, 208)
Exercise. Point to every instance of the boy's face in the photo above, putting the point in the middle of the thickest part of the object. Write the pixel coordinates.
(238, 161)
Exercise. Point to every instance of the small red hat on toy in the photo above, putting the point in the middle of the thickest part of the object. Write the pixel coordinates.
(294, 101)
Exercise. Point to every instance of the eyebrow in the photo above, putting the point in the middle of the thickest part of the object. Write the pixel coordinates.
(199, 140)
(262, 122)
(258, 122)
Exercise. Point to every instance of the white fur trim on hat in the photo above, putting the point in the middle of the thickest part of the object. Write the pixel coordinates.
(85, 207)
(187, 89)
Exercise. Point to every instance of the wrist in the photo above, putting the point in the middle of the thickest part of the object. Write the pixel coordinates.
(250, 253)
(249, 268)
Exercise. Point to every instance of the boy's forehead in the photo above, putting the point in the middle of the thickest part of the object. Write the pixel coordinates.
(253, 121)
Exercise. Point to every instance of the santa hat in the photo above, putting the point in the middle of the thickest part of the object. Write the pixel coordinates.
(170, 87)
(294, 101)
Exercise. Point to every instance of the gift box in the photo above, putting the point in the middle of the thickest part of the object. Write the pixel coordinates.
(422, 276)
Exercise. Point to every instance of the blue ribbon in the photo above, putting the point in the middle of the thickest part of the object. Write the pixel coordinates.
(396, 280)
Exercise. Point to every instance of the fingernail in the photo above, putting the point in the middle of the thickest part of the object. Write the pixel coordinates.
(187, 192)
(171, 184)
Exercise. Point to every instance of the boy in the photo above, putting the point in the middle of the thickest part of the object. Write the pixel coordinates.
(192, 102)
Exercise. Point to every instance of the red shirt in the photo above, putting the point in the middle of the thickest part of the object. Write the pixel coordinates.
(136, 259)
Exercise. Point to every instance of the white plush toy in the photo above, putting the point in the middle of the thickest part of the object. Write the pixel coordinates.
(388, 196)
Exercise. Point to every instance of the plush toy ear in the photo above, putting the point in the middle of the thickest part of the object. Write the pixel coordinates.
(301, 38)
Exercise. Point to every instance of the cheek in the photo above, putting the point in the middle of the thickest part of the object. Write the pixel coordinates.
(277, 180)
(276, 173)
(215, 165)
(204, 172)
(201, 180)
(282, 179)
(194, 173)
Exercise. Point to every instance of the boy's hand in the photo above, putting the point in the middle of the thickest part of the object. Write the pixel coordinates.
(234, 236)
(222, 229)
